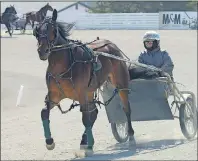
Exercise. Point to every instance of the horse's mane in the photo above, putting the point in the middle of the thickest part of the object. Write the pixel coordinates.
(65, 28)
(42, 8)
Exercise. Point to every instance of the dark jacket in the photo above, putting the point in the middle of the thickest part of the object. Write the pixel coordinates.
(158, 58)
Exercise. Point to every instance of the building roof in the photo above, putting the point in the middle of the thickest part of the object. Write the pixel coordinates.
(77, 3)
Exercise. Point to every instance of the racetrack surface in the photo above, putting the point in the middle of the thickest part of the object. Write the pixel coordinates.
(21, 128)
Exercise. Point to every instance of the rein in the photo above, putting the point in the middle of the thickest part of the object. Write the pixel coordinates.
(67, 46)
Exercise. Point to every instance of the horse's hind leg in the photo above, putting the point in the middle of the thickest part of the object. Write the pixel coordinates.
(8, 26)
(89, 116)
(127, 109)
(84, 140)
(26, 22)
(120, 79)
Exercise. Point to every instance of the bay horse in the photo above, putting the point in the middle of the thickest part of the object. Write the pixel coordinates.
(70, 74)
(8, 17)
(38, 16)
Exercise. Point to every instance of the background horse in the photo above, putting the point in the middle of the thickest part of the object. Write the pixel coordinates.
(38, 16)
(8, 17)
(73, 73)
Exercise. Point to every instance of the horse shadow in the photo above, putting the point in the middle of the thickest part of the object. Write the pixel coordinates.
(122, 150)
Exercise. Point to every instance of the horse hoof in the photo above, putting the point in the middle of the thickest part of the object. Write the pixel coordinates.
(83, 153)
(50, 146)
(88, 153)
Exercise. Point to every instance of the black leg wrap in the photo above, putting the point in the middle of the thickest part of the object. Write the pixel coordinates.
(88, 119)
(45, 113)
(49, 141)
(84, 139)
(128, 115)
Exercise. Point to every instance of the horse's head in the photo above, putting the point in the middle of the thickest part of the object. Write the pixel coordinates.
(46, 33)
(50, 33)
(12, 9)
(48, 7)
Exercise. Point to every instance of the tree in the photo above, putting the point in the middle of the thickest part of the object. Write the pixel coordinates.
(192, 5)
(143, 6)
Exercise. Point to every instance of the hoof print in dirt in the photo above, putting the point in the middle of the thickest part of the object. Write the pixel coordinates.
(83, 153)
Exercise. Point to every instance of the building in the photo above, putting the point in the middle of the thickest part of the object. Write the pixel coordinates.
(71, 13)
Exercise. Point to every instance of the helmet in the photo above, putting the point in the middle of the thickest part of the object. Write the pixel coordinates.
(151, 36)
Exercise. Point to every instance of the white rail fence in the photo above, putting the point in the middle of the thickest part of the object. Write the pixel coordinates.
(133, 21)
(118, 21)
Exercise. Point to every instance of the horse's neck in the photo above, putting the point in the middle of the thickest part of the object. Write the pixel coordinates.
(43, 11)
(61, 40)
(60, 55)
(58, 59)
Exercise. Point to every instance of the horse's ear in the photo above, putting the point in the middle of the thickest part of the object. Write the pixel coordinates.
(48, 3)
(54, 15)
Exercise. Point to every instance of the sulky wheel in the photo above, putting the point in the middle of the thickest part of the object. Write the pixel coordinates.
(120, 131)
(188, 120)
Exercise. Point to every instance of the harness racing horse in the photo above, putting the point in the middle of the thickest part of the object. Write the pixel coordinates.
(72, 73)
(8, 17)
(38, 16)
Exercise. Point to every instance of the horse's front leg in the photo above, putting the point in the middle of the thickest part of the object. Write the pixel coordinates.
(32, 24)
(45, 113)
(84, 141)
(89, 116)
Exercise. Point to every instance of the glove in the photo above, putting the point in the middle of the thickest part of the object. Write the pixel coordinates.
(161, 74)
(151, 74)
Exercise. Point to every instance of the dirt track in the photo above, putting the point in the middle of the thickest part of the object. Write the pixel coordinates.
(21, 129)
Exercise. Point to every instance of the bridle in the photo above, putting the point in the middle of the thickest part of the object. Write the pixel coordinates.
(50, 43)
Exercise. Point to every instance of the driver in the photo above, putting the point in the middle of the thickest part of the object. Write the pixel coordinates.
(152, 55)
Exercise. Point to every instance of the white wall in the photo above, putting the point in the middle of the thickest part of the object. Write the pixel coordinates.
(119, 21)
(183, 21)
